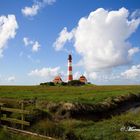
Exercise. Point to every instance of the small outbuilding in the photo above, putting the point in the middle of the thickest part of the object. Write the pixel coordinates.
(83, 79)
(57, 80)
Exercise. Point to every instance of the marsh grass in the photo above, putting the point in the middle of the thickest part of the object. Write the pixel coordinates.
(71, 128)
(82, 94)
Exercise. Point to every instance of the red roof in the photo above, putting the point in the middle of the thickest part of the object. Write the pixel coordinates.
(83, 79)
(57, 79)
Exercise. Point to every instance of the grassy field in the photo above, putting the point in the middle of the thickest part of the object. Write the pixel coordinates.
(5, 135)
(83, 94)
(107, 129)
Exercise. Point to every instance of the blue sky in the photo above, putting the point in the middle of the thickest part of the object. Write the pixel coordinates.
(39, 60)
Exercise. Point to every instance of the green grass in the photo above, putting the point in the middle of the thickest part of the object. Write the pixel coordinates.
(87, 130)
(90, 130)
(104, 130)
(5, 135)
(84, 94)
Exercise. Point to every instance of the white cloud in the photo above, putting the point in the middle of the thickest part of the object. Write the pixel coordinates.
(132, 51)
(64, 36)
(102, 39)
(34, 44)
(92, 75)
(34, 9)
(31, 11)
(8, 26)
(133, 72)
(97, 76)
(135, 14)
(27, 41)
(47, 73)
(5, 80)
(11, 79)
(104, 77)
(76, 75)
(49, 2)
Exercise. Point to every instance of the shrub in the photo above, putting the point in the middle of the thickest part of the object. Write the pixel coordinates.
(47, 84)
(75, 83)
(63, 83)
(70, 135)
(50, 84)
(37, 115)
(49, 128)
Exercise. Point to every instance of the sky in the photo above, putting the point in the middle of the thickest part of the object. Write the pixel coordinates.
(36, 37)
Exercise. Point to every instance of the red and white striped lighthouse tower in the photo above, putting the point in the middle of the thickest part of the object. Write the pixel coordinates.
(70, 76)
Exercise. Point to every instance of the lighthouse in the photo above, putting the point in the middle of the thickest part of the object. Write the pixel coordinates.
(70, 76)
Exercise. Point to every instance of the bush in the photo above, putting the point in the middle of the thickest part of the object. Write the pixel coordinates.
(75, 83)
(47, 84)
(48, 128)
(37, 115)
(50, 84)
(70, 135)
(64, 83)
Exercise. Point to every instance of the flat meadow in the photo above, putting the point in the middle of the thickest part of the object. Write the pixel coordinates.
(84, 94)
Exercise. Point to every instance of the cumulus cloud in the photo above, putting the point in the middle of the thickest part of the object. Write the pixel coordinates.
(101, 39)
(27, 41)
(135, 14)
(31, 11)
(34, 9)
(64, 36)
(133, 72)
(76, 75)
(45, 72)
(34, 44)
(5, 80)
(92, 76)
(132, 51)
(49, 2)
(98, 76)
(8, 26)
(11, 79)
(105, 77)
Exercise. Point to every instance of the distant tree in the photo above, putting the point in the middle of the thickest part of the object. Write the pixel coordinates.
(43, 84)
(50, 84)
(70, 83)
(75, 83)
(63, 83)
(47, 84)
